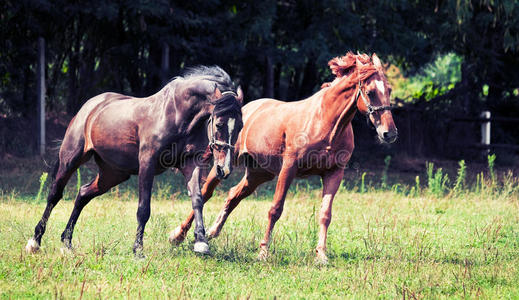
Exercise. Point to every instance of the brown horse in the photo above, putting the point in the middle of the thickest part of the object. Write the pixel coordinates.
(145, 136)
(309, 137)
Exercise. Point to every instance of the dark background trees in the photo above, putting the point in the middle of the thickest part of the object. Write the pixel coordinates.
(272, 48)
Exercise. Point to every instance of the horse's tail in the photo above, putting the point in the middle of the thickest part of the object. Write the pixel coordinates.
(55, 165)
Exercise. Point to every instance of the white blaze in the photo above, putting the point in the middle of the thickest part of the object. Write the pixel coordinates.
(227, 162)
(230, 126)
(380, 86)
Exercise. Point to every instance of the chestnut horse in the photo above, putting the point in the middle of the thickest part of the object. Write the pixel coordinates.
(145, 136)
(309, 137)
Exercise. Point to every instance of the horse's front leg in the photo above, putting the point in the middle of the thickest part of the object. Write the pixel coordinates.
(193, 175)
(286, 175)
(331, 182)
(178, 235)
(146, 174)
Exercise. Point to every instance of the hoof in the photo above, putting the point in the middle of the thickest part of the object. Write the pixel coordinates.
(32, 246)
(320, 257)
(138, 251)
(213, 232)
(201, 248)
(176, 237)
(139, 255)
(321, 260)
(66, 251)
(263, 254)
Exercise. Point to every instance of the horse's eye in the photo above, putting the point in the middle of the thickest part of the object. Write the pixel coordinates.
(219, 125)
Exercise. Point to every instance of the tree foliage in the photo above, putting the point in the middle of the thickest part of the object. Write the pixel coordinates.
(278, 48)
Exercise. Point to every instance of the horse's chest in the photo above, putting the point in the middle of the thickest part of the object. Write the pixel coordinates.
(177, 154)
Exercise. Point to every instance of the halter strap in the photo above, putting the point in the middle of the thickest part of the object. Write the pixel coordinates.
(229, 93)
(371, 109)
(213, 142)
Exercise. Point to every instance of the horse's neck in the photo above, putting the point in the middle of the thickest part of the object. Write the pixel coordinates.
(338, 108)
(178, 117)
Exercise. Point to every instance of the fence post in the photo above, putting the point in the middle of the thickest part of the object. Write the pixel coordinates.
(41, 95)
(485, 131)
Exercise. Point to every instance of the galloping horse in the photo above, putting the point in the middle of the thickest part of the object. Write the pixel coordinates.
(309, 137)
(145, 136)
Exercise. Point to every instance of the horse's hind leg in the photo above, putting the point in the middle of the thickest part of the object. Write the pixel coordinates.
(252, 179)
(65, 170)
(106, 179)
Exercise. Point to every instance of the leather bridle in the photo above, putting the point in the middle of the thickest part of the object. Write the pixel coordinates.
(213, 142)
(370, 108)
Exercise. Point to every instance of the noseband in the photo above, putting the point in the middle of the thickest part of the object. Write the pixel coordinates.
(213, 142)
(371, 108)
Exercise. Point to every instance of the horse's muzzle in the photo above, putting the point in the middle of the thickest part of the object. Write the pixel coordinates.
(390, 136)
(222, 172)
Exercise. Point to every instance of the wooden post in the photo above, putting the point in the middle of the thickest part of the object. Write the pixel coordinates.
(165, 62)
(485, 131)
(41, 95)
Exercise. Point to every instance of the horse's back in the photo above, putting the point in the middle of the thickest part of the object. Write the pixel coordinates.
(74, 139)
(258, 105)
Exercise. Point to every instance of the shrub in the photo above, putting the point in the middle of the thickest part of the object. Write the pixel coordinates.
(383, 179)
(43, 179)
(437, 181)
(460, 179)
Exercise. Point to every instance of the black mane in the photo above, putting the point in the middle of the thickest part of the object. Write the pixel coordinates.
(226, 104)
(213, 73)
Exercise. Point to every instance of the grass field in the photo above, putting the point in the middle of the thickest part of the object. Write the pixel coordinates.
(385, 244)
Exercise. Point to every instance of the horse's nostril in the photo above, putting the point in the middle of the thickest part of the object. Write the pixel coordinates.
(390, 136)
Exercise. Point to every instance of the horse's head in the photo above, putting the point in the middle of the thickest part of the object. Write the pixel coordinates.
(224, 126)
(372, 91)
(374, 100)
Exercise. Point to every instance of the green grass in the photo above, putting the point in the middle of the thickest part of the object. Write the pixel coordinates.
(397, 242)
(381, 244)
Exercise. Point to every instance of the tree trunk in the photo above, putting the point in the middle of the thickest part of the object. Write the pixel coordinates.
(268, 89)
(72, 72)
(41, 95)
(309, 79)
(277, 80)
(164, 65)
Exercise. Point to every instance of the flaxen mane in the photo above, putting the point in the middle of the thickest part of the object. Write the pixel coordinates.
(357, 67)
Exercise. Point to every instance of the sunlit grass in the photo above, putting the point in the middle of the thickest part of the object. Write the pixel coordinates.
(381, 244)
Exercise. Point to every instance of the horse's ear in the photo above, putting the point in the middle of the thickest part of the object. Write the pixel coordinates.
(217, 94)
(239, 93)
(358, 62)
(376, 61)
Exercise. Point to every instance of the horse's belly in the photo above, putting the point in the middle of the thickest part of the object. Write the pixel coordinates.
(315, 162)
(116, 143)
(122, 158)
